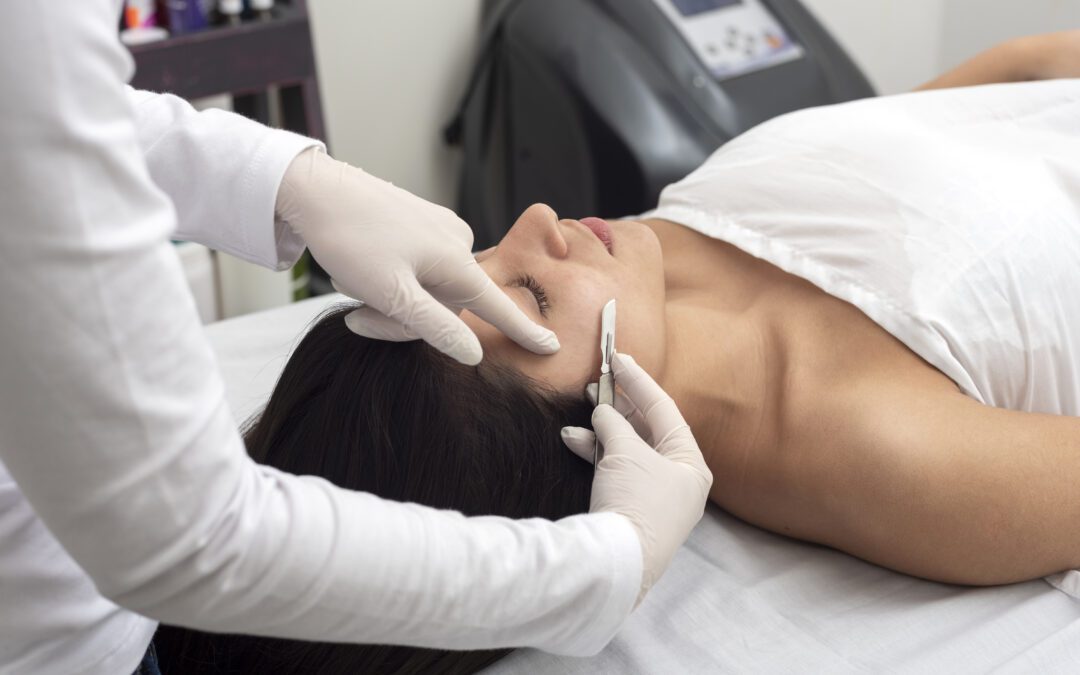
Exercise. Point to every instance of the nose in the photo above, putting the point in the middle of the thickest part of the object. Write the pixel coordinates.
(542, 223)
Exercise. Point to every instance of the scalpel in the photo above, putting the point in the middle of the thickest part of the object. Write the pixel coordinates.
(606, 391)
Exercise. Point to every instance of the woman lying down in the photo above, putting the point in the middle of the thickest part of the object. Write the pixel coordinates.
(869, 315)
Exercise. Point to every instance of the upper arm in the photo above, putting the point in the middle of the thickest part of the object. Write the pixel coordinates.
(1006, 62)
(938, 485)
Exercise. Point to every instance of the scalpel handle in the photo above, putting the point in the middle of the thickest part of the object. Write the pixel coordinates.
(605, 394)
(606, 391)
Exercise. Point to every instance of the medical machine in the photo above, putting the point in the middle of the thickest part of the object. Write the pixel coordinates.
(593, 106)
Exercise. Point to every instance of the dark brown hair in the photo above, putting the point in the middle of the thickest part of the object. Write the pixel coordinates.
(402, 421)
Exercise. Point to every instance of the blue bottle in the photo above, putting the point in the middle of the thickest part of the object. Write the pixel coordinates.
(187, 16)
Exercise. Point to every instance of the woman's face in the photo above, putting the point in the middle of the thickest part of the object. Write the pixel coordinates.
(562, 274)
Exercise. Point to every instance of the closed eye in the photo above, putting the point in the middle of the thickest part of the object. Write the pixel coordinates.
(530, 282)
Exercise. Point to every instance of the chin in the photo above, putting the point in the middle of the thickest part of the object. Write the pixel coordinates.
(650, 255)
(638, 240)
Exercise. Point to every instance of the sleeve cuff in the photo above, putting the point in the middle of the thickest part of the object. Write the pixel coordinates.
(276, 247)
(625, 574)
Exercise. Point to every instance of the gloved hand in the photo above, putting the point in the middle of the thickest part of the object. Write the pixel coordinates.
(408, 260)
(659, 482)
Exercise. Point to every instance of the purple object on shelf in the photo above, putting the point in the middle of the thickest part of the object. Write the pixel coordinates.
(186, 16)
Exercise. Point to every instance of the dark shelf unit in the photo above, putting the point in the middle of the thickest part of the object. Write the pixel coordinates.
(251, 61)
(245, 60)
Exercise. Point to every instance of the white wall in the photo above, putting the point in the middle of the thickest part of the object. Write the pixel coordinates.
(973, 25)
(392, 70)
(897, 43)
(903, 43)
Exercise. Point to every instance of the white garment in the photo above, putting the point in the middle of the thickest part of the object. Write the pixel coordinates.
(114, 426)
(951, 218)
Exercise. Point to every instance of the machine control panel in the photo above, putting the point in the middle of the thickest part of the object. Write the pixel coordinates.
(732, 37)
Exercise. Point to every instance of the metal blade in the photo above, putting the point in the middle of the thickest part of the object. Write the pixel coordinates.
(607, 335)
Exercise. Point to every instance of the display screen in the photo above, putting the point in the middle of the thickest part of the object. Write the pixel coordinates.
(692, 7)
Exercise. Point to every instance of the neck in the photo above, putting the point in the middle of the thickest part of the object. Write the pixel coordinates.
(724, 365)
(717, 371)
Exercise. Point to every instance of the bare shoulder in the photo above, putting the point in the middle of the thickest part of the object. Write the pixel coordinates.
(833, 373)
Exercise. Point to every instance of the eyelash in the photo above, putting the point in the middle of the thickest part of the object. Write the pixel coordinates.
(529, 282)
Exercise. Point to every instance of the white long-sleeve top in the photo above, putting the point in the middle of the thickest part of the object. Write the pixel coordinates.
(125, 489)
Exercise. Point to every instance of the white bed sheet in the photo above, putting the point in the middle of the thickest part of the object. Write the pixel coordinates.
(739, 599)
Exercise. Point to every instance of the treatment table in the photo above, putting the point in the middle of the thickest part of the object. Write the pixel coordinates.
(739, 599)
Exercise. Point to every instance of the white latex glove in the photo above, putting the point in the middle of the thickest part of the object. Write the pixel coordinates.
(660, 482)
(408, 260)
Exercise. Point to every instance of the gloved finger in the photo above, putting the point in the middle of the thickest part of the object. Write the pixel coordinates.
(406, 303)
(662, 416)
(472, 289)
(625, 407)
(343, 291)
(444, 330)
(369, 322)
(581, 441)
(611, 427)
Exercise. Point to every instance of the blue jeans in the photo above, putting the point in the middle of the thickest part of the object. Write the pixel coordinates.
(149, 665)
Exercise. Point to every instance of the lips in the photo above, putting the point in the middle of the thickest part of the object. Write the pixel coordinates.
(601, 229)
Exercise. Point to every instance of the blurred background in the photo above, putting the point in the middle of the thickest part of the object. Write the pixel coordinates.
(391, 73)
(393, 70)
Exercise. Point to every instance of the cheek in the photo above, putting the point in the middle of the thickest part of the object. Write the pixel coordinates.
(585, 296)
(579, 321)
(640, 328)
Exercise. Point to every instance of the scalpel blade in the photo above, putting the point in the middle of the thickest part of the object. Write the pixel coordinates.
(606, 390)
